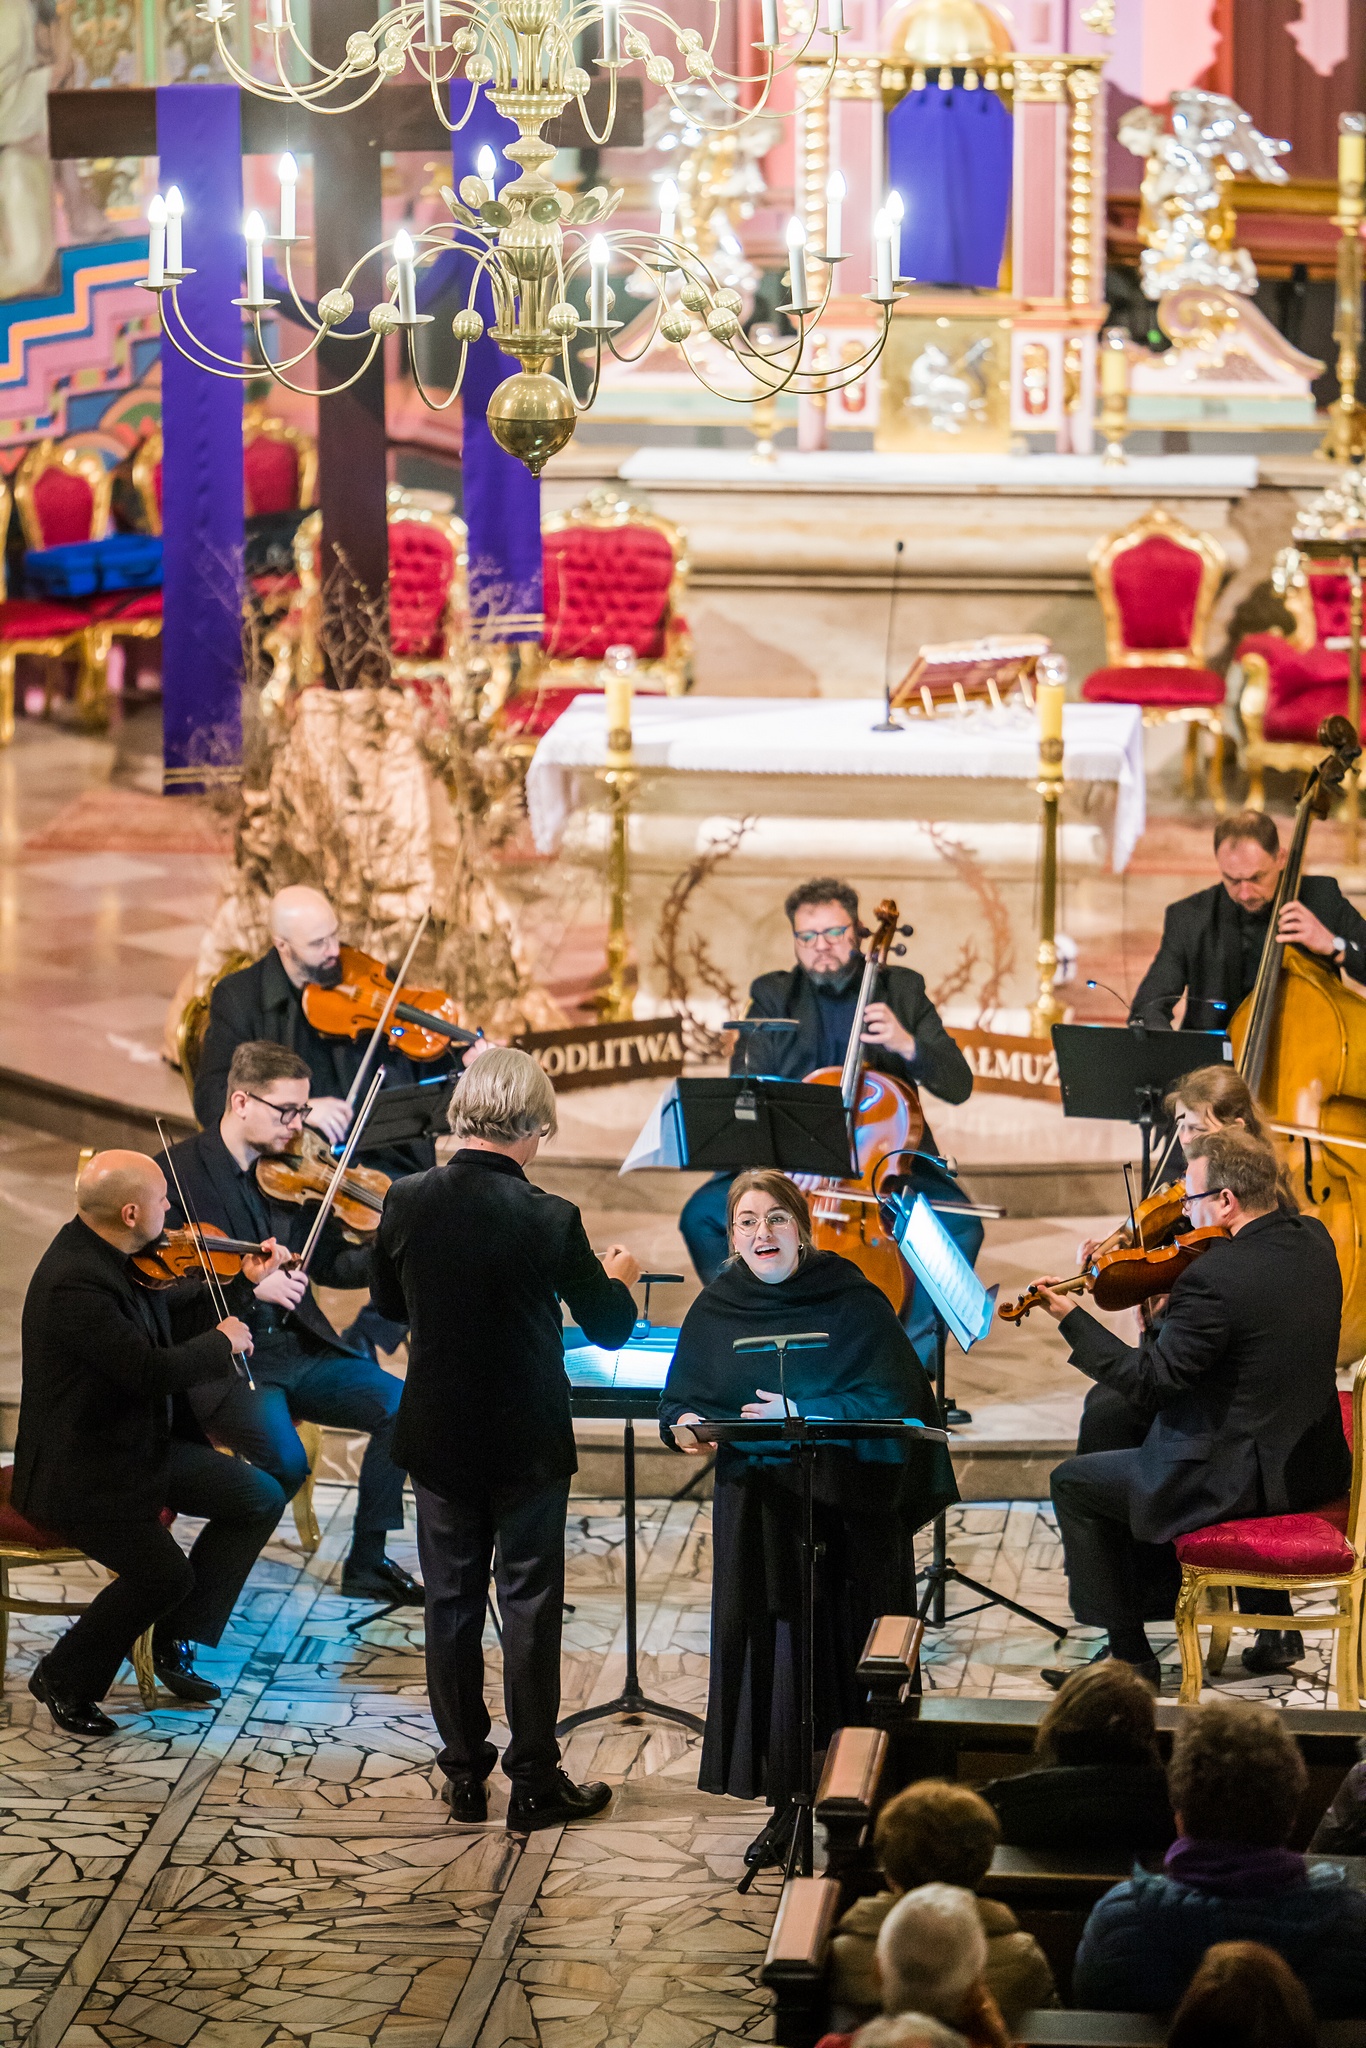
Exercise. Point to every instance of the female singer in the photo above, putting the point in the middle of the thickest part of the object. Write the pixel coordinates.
(870, 1498)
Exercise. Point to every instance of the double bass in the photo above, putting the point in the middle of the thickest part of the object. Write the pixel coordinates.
(1299, 1041)
(885, 1120)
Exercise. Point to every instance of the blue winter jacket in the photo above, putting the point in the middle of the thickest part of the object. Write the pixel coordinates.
(1144, 1940)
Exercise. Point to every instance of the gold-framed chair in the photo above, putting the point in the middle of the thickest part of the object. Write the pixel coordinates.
(1157, 581)
(32, 625)
(21, 1545)
(1308, 1553)
(279, 463)
(1292, 682)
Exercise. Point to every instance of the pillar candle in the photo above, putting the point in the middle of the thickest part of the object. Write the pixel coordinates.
(431, 23)
(156, 240)
(770, 19)
(1352, 150)
(618, 690)
(1050, 692)
(407, 275)
(599, 256)
(796, 257)
(255, 235)
(1114, 363)
(882, 247)
(175, 214)
(611, 32)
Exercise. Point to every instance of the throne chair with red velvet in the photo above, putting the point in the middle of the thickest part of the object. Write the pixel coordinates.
(63, 496)
(615, 575)
(31, 625)
(1291, 684)
(1157, 582)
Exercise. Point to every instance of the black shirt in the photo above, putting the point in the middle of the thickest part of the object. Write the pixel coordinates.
(1253, 926)
(835, 1007)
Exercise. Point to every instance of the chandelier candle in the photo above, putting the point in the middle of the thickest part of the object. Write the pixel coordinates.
(156, 241)
(599, 256)
(254, 233)
(796, 257)
(175, 215)
(406, 265)
(611, 32)
(770, 17)
(289, 179)
(486, 164)
(882, 248)
(896, 212)
(431, 23)
(836, 25)
(835, 189)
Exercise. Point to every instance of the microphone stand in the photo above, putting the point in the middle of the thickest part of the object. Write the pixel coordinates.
(888, 723)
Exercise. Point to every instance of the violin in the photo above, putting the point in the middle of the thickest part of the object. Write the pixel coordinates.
(175, 1255)
(421, 1022)
(885, 1120)
(1128, 1276)
(306, 1175)
(1154, 1222)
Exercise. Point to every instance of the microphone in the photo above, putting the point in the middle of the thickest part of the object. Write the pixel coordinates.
(888, 723)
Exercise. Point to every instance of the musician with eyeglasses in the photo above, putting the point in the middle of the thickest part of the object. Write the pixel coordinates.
(304, 1370)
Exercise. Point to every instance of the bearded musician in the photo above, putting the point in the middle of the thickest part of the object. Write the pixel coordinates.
(903, 1035)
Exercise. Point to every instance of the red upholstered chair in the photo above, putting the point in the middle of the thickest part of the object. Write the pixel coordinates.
(1311, 1553)
(1290, 685)
(428, 587)
(23, 1544)
(614, 576)
(1157, 582)
(279, 464)
(31, 625)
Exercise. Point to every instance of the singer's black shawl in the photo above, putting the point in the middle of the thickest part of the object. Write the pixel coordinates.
(870, 1500)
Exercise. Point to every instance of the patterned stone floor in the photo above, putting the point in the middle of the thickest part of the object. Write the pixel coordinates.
(280, 1871)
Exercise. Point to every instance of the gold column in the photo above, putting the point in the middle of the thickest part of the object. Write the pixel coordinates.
(1049, 692)
(616, 1004)
(1346, 437)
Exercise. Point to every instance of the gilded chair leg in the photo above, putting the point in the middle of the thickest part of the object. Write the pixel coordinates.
(1256, 785)
(1221, 1628)
(305, 1520)
(7, 661)
(92, 695)
(1349, 1650)
(1218, 767)
(1188, 1637)
(142, 1670)
(1190, 765)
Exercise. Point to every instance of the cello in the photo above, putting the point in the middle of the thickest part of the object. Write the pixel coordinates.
(1299, 1041)
(885, 1120)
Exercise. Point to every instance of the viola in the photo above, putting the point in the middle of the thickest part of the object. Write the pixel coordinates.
(176, 1254)
(422, 1022)
(885, 1120)
(1129, 1275)
(1155, 1221)
(305, 1175)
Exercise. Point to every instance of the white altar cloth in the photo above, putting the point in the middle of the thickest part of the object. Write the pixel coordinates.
(833, 736)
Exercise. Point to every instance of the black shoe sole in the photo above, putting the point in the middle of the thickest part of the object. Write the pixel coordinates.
(522, 1823)
(456, 1807)
(45, 1699)
(201, 1691)
(379, 1590)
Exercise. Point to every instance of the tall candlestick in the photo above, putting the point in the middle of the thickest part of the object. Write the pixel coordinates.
(619, 689)
(175, 214)
(611, 32)
(289, 180)
(796, 257)
(1351, 151)
(882, 250)
(896, 213)
(1049, 691)
(599, 256)
(770, 19)
(255, 234)
(835, 189)
(431, 23)
(407, 275)
(156, 240)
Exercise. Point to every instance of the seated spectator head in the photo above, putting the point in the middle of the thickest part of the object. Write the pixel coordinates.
(1243, 1996)
(1103, 1714)
(935, 1833)
(907, 2030)
(1235, 1776)
(932, 1953)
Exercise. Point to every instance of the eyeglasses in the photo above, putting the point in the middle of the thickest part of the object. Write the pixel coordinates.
(776, 1219)
(288, 1112)
(832, 934)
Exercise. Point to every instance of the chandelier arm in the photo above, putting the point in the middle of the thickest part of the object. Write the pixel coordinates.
(275, 370)
(259, 88)
(433, 404)
(305, 316)
(650, 341)
(585, 404)
(610, 122)
(235, 365)
(239, 374)
(454, 127)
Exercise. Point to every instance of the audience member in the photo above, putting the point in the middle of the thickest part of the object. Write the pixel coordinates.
(1236, 1781)
(932, 1959)
(1342, 1831)
(1097, 1781)
(1243, 1996)
(908, 2030)
(937, 1833)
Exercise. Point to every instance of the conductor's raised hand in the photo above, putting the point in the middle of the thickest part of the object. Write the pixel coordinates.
(762, 1406)
(1057, 1305)
(237, 1334)
(619, 1264)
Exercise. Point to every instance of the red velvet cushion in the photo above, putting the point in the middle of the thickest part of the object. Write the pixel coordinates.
(1156, 587)
(34, 618)
(13, 1526)
(65, 505)
(1300, 1545)
(421, 566)
(1165, 688)
(1305, 686)
(1332, 606)
(270, 475)
(122, 604)
(533, 712)
(606, 587)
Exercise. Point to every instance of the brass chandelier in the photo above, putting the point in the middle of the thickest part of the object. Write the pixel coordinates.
(531, 241)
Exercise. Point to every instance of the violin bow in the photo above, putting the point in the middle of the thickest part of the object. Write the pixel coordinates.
(339, 1170)
(386, 1014)
(216, 1294)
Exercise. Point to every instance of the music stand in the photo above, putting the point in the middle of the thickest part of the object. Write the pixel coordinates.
(402, 1114)
(963, 1305)
(1123, 1072)
(729, 1124)
(801, 1438)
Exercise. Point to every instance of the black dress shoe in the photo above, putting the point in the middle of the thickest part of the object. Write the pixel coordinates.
(78, 1717)
(561, 1802)
(1056, 1676)
(173, 1663)
(1276, 1649)
(772, 1842)
(385, 1581)
(467, 1798)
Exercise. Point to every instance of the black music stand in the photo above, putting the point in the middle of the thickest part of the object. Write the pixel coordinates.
(728, 1124)
(403, 1114)
(1123, 1072)
(801, 1438)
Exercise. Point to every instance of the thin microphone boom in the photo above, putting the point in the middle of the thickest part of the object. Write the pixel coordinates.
(888, 723)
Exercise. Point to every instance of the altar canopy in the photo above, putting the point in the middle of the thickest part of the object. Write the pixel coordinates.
(949, 156)
(1103, 743)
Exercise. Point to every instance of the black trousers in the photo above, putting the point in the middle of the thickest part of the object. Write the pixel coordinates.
(518, 1533)
(344, 1391)
(188, 1598)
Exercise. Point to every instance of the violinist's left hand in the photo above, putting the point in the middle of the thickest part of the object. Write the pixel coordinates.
(882, 1027)
(481, 1044)
(762, 1406)
(1298, 925)
(276, 1255)
(1057, 1305)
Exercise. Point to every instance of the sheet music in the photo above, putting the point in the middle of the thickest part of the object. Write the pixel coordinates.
(641, 1364)
(959, 1295)
(660, 1141)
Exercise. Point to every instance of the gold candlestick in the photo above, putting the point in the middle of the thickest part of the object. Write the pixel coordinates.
(1050, 691)
(1345, 440)
(616, 1004)
(1113, 370)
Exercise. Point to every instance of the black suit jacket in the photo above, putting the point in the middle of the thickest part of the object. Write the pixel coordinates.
(938, 1064)
(261, 1001)
(1201, 955)
(1239, 1378)
(478, 1260)
(101, 1356)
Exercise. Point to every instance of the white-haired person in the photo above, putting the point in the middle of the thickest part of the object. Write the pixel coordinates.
(478, 1260)
(931, 1966)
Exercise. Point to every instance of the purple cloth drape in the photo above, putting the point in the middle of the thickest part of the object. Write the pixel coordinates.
(502, 500)
(199, 144)
(949, 156)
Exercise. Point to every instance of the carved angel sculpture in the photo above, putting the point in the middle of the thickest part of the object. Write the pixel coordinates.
(1187, 220)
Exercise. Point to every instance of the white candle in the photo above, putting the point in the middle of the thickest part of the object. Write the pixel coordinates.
(599, 256)
(156, 240)
(289, 179)
(796, 256)
(837, 24)
(275, 14)
(486, 163)
(611, 32)
(896, 213)
(770, 41)
(431, 23)
(668, 210)
(407, 275)
(882, 247)
(255, 234)
(175, 214)
(835, 189)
